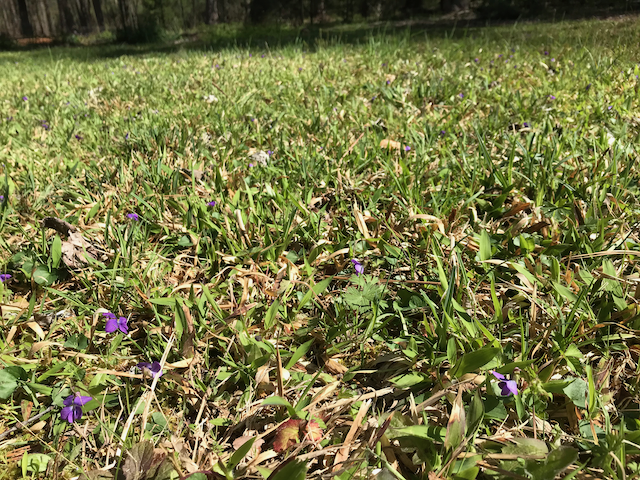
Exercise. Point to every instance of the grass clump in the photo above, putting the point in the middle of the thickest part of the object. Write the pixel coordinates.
(409, 256)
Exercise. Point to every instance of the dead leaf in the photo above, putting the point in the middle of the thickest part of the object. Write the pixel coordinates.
(390, 144)
(313, 431)
(287, 436)
(189, 334)
(142, 461)
(26, 406)
(95, 475)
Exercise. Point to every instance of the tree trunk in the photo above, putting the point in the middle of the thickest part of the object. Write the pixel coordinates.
(211, 15)
(67, 22)
(449, 6)
(84, 15)
(9, 24)
(25, 22)
(129, 15)
(97, 8)
(223, 13)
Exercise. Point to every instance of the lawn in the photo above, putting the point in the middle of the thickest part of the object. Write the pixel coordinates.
(361, 253)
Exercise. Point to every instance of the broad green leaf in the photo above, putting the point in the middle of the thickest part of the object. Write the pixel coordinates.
(8, 384)
(457, 424)
(475, 414)
(473, 361)
(270, 317)
(425, 432)
(555, 463)
(42, 275)
(316, 290)
(163, 301)
(239, 454)
(294, 470)
(485, 245)
(56, 251)
(526, 446)
(279, 401)
(37, 462)
(577, 391)
(299, 353)
(409, 380)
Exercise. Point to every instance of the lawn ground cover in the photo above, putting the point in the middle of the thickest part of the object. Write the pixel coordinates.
(412, 255)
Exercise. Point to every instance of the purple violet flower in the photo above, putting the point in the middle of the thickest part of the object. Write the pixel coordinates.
(1, 198)
(269, 152)
(25, 98)
(112, 324)
(552, 97)
(4, 276)
(507, 387)
(251, 165)
(152, 369)
(212, 203)
(407, 148)
(461, 95)
(72, 409)
(133, 216)
(358, 266)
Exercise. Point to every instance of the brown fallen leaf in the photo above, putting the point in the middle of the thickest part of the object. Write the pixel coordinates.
(77, 252)
(390, 144)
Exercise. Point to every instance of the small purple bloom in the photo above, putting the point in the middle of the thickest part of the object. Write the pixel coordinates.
(212, 203)
(78, 136)
(476, 59)
(525, 124)
(133, 216)
(609, 107)
(553, 59)
(407, 148)
(114, 324)
(269, 152)
(588, 87)
(72, 409)
(126, 137)
(546, 53)
(251, 165)
(25, 98)
(299, 69)
(358, 266)
(461, 95)
(388, 82)
(507, 387)
(4, 277)
(1, 198)
(153, 369)
(552, 97)
(443, 133)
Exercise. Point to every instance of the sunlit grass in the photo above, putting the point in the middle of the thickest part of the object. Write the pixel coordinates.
(485, 179)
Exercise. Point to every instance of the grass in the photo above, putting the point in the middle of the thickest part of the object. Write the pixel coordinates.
(486, 179)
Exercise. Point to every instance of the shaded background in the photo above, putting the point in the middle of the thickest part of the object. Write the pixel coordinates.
(24, 22)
